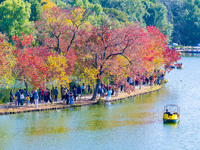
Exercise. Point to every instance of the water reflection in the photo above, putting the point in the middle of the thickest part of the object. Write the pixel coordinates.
(174, 125)
(135, 111)
(43, 130)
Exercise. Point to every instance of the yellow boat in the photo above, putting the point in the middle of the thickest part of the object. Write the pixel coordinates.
(171, 113)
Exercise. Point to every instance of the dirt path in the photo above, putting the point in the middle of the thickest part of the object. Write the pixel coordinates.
(6, 109)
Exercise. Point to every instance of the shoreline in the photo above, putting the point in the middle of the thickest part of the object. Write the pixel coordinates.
(84, 102)
(144, 90)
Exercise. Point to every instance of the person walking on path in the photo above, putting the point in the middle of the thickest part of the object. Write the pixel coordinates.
(121, 86)
(52, 93)
(45, 95)
(28, 99)
(71, 98)
(79, 93)
(11, 96)
(32, 97)
(109, 92)
(83, 88)
(63, 92)
(36, 98)
(22, 98)
(25, 93)
(74, 92)
(151, 80)
(56, 94)
(49, 96)
(89, 89)
(17, 95)
(40, 95)
(21, 90)
(116, 90)
(67, 96)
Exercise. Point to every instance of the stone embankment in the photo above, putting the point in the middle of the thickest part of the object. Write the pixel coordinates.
(9, 109)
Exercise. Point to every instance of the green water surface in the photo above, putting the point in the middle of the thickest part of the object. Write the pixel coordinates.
(134, 124)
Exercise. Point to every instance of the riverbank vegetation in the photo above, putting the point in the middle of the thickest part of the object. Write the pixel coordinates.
(57, 41)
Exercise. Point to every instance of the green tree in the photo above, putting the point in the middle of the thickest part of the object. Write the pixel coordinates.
(191, 22)
(61, 4)
(14, 18)
(175, 14)
(147, 12)
(185, 17)
(117, 14)
(157, 16)
(36, 9)
(1, 1)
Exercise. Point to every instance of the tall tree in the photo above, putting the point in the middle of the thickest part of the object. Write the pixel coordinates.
(157, 16)
(36, 10)
(58, 31)
(184, 14)
(30, 67)
(47, 4)
(7, 62)
(190, 23)
(106, 47)
(14, 18)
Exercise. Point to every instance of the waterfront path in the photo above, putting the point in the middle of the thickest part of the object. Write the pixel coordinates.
(85, 100)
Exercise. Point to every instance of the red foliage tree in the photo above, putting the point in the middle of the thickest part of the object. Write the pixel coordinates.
(30, 67)
(59, 31)
(114, 51)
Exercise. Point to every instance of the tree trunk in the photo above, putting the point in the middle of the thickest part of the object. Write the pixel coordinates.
(96, 89)
(26, 84)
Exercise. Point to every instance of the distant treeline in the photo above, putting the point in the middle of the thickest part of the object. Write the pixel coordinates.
(178, 19)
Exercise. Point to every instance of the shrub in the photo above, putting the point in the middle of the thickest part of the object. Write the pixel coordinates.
(100, 100)
(4, 100)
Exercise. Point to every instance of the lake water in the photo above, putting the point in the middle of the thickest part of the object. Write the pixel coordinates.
(134, 123)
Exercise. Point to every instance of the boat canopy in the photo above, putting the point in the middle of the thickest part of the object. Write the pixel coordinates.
(172, 108)
(172, 105)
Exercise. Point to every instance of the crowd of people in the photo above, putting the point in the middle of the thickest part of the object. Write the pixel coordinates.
(71, 95)
(37, 96)
(112, 90)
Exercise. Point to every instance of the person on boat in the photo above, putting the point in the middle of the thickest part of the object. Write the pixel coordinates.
(167, 112)
(175, 113)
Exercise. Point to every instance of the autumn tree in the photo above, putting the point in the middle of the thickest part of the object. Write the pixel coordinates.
(7, 62)
(30, 67)
(162, 55)
(58, 31)
(47, 4)
(170, 57)
(107, 47)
